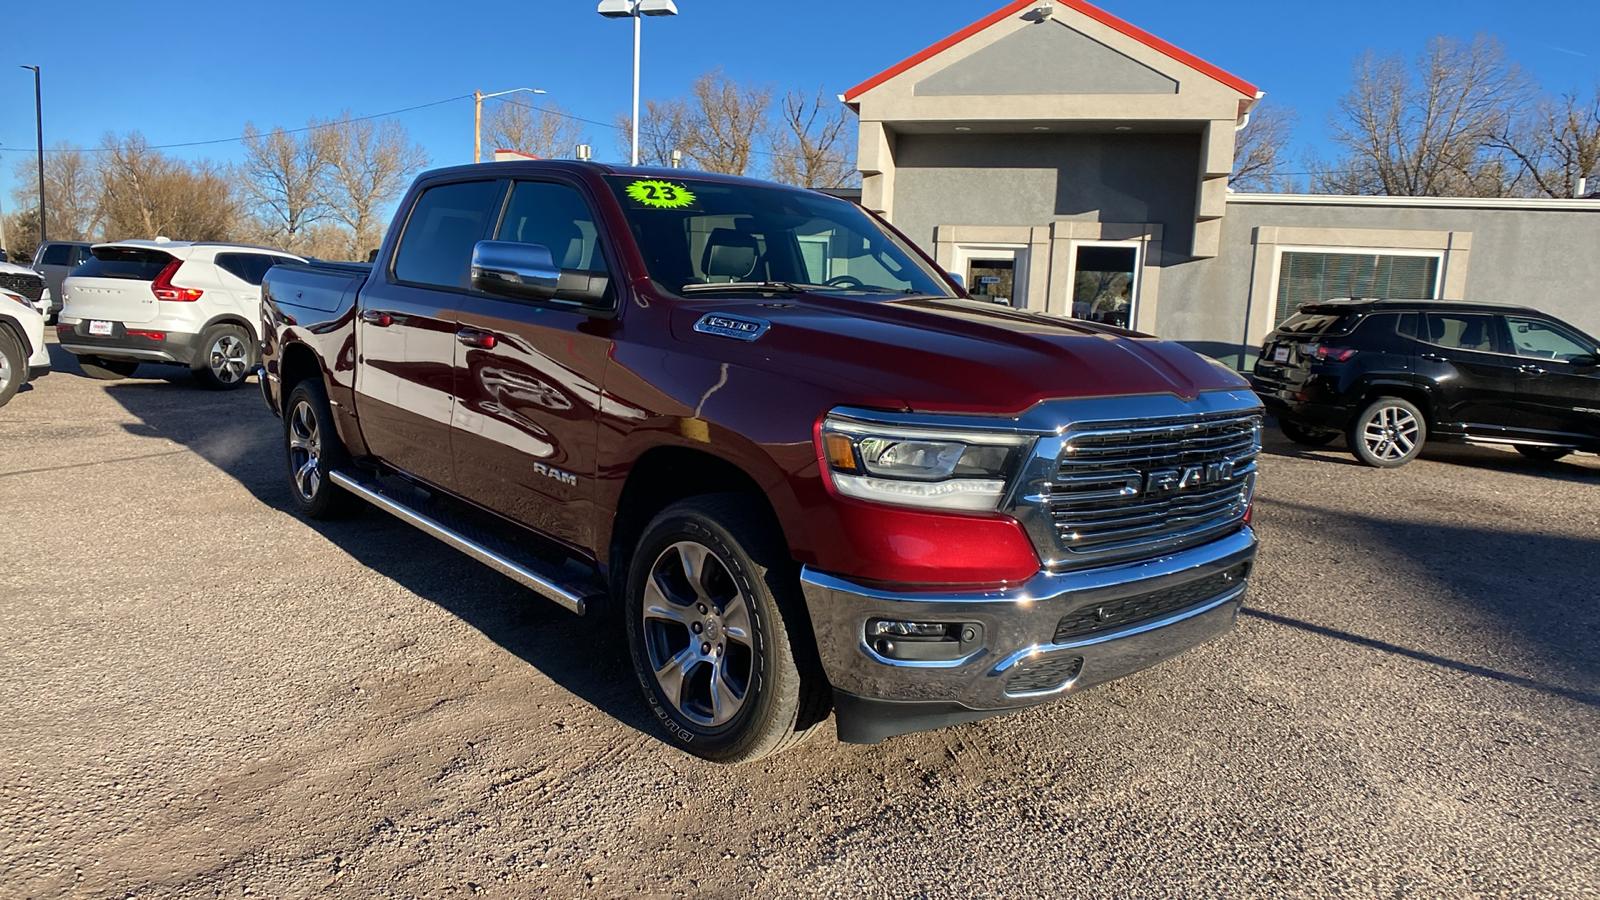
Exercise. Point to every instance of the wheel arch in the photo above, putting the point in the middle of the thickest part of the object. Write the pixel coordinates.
(20, 333)
(1418, 395)
(229, 318)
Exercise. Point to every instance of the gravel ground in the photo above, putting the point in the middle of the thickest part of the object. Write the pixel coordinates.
(205, 696)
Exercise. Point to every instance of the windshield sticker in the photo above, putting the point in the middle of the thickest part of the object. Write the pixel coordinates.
(659, 194)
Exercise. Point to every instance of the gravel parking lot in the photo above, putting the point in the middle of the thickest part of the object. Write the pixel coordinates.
(206, 696)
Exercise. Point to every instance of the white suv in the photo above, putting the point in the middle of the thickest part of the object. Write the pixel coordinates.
(183, 303)
(23, 353)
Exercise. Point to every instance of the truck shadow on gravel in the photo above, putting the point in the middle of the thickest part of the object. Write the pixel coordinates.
(235, 432)
(1537, 591)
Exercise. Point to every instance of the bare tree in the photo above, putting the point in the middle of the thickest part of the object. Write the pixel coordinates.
(1261, 150)
(1555, 143)
(278, 183)
(72, 194)
(730, 121)
(367, 165)
(665, 126)
(809, 149)
(548, 133)
(145, 194)
(1427, 130)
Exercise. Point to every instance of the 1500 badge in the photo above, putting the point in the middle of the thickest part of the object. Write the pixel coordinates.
(730, 326)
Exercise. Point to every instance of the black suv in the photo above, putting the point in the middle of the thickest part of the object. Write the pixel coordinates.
(1390, 374)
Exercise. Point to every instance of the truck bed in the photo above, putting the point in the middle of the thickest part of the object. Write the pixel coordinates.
(327, 287)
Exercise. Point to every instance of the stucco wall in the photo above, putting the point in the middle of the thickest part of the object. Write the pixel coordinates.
(1030, 179)
(1546, 258)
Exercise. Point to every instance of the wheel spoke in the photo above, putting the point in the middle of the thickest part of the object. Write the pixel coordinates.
(693, 558)
(736, 620)
(658, 606)
(674, 672)
(307, 478)
(724, 702)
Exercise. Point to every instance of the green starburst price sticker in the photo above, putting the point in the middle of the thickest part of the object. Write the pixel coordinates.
(659, 194)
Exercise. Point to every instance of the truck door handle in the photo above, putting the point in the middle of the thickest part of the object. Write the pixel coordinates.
(472, 337)
(1433, 357)
(379, 319)
(1531, 370)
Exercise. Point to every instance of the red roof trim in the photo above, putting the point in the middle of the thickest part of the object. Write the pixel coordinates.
(1093, 12)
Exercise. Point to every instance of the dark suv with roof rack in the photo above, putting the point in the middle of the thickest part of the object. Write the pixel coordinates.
(1391, 374)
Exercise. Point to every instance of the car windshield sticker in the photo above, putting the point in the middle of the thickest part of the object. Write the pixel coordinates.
(659, 194)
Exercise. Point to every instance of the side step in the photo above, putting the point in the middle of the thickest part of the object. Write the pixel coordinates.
(537, 575)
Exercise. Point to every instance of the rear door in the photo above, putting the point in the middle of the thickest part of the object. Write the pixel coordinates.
(114, 285)
(1557, 399)
(1466, 358)
(241, 272)
(528, 378)
(406, 329)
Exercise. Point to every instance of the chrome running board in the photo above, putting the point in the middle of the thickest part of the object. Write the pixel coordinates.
(484, 548)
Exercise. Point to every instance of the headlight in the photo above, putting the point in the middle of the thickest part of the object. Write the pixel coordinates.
(17, 297)
(954, 469)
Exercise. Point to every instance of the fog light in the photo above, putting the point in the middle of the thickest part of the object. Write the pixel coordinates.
(894, 639)
(879, 627)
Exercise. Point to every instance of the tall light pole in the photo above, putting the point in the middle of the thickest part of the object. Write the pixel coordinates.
(38, 122)
(477, 117)
(635, 10)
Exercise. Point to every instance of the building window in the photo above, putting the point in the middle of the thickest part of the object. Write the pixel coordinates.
(1305, 276)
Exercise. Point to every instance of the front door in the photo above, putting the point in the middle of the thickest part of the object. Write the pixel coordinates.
(406, 331)
(1557, 399)
(528, 377)
(1465, 357)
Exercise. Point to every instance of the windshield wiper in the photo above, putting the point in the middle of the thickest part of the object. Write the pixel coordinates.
(787, 287)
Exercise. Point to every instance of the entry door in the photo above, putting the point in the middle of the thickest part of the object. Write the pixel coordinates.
(406, 331)
(1555, 397)
(527, 409)
(1105, 282)
(995, 273)
(1465, 356)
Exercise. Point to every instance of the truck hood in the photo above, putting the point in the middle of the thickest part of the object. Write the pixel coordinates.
(947, 355)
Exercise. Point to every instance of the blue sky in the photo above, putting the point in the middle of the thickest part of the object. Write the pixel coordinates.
(200, 72)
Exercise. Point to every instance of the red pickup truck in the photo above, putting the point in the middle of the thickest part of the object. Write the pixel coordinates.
(763, 429)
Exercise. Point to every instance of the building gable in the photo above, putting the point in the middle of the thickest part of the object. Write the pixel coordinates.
(1055, 59)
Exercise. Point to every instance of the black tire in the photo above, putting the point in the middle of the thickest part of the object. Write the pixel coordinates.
(226, 358)
(312, 449)
(1543, 454)
(106, 369)
(13, 366)
(1310, 437)
(1389, 433)
(741, 625)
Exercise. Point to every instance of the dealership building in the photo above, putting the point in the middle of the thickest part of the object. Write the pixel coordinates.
(1063, 160)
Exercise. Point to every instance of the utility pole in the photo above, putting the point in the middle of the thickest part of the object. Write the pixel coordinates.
(38, 122)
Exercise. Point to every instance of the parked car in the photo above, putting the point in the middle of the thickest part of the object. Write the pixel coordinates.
(30, 284)
(1390, 375)
(170, 302)
(55, 260)
(806, 467)
(23, 354)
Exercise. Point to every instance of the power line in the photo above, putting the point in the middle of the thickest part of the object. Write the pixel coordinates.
(233, 140)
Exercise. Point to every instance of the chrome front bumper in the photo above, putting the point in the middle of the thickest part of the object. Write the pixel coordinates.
(1018, 662)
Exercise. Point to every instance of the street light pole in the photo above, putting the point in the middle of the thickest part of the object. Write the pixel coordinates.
(38, 123)
(477, 117)
(636, 10)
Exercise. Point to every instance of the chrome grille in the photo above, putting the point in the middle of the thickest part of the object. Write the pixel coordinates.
(29, 286)
(1125, 489)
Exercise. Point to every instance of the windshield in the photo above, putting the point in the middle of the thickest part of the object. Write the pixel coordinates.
(704, 233)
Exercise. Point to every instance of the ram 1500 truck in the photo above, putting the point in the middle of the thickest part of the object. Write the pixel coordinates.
(775, 440)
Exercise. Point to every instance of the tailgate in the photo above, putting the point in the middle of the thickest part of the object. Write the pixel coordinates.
(115, 285)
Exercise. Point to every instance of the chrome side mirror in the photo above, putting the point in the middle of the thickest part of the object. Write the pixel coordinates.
(522, 271)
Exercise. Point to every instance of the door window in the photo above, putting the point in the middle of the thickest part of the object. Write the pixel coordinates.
(251, 268)
(554, 216)
(1462, 331)
(1545, 340)
(445, 223)
(56, 255)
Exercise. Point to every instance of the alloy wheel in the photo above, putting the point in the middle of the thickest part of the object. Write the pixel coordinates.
(230, 359)
(5, 373)
(1390, 433)
(697, 633)
(305, 450)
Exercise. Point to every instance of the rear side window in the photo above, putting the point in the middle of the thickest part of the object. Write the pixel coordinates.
(1317, 323)
(1462, 331)
(436, 248)
(81, 254)
(249, 267)
(133, 263)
